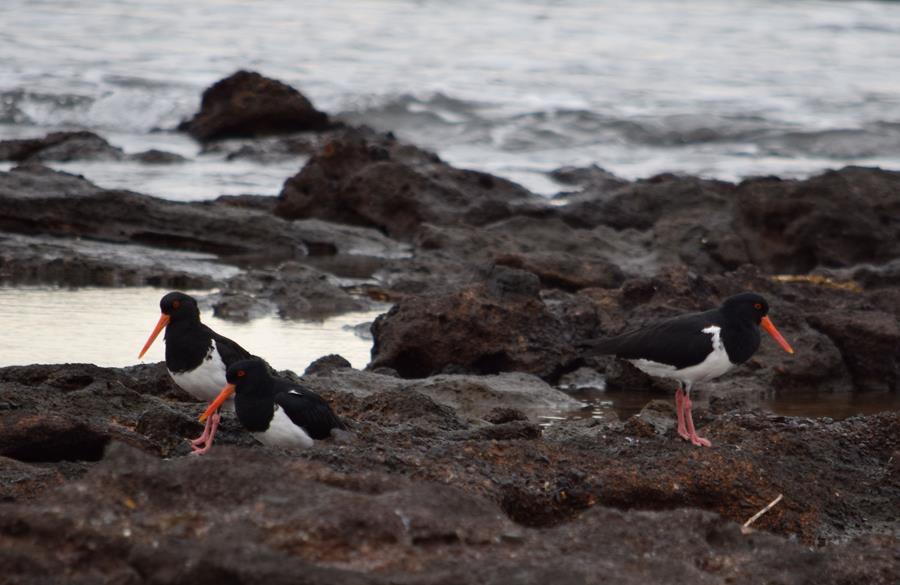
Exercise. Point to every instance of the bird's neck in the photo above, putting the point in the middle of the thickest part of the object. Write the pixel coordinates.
(187, 344)
(255, 410)
(741, 340)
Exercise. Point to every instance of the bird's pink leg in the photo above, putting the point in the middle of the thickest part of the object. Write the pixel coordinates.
(201, 440)
(693, 437)
(201, 448)
(679, 412)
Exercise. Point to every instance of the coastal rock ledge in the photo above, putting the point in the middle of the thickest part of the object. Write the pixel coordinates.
(96, 486)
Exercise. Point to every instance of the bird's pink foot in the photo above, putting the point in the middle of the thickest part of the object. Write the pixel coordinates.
(204, 437)
(699, 441)
(204, 442)
(693, 437)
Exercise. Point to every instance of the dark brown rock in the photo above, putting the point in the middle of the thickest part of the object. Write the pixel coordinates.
(836, 219)
(326, 364)
(869, 342)
(363, 178)
(472, 328)
(246, 104)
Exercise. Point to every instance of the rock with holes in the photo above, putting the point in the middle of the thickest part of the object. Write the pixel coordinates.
(70, 412)
(247, 104)
(39, 437)
(418, 515)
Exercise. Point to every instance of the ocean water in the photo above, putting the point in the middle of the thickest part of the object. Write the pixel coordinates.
(516, 87)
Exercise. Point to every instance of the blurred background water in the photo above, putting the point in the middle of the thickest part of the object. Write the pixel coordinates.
(517, 87)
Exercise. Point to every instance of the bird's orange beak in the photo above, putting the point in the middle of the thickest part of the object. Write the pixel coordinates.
(160, 325)
(224, 395)
(770, 329)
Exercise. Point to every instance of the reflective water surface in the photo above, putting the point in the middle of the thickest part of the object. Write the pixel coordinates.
(108, 327)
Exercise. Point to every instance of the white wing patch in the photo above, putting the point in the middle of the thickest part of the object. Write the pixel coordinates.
(715, 364)
(282, 432)
(206, 380)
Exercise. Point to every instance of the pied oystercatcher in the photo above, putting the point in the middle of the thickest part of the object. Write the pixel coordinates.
(278, 412)
(196, 356)
(695, 347)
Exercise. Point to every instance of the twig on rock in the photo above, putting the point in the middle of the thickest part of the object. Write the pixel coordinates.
(745, 529)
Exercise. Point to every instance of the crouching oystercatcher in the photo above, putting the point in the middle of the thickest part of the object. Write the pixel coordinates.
(695, 347)
(196, 356)
(276, 411)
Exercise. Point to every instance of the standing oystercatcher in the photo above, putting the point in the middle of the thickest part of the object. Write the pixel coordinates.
(696, 347)
(278, 412)
(196, 356)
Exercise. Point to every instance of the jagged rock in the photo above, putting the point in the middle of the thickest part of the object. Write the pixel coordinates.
(369, 179)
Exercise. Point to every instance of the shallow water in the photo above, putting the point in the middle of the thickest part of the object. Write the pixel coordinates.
(108, 327)
(838, 406)
(514, 87)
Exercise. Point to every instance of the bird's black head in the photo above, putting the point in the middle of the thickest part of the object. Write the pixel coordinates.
(746, 306)
(250, 375)
(179, 307)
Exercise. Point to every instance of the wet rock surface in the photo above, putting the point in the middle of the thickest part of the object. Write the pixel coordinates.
(422, 488)
(76, 146)
(61, 147)
(249, 104)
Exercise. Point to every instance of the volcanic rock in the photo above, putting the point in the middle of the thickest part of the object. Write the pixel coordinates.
(424, 488)
(246, 104)
(475, 329)
(836, 219)
(364, 178)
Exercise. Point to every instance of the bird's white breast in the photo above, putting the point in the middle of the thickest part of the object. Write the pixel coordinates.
(715, 364)
(206, 380)
(283, 433)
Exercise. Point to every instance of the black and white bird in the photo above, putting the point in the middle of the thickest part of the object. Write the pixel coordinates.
(196, 356)
(695, 347)
(276, 411)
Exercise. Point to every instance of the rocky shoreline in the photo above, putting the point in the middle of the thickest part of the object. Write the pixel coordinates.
(449, 476)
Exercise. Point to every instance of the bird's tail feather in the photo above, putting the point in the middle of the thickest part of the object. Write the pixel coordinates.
(599, 346)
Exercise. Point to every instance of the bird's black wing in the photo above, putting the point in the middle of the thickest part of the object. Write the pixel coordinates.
(679, 342)
(308, 410)
(229, 350)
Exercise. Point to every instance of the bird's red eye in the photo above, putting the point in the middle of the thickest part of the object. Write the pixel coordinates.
(241, 373)
(757, 306)
(176, 304)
